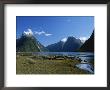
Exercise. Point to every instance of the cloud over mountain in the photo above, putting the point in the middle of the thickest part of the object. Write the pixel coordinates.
(29, 32)
(42, 33)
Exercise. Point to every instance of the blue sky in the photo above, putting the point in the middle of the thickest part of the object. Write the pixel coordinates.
(51, 29)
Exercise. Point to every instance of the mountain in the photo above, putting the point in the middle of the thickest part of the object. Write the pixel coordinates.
(70, 45)
(88, 45)
(28, 43)
(56, 47)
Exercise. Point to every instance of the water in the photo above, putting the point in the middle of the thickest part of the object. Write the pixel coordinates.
(86, 66)
(84, 56)
(65, 53)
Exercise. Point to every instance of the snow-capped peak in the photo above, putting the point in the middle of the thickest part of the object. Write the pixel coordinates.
(28, 32)
(83, 39)
(64, 40)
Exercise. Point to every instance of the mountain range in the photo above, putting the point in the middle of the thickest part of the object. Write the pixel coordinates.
(28, 43)
(71, 44)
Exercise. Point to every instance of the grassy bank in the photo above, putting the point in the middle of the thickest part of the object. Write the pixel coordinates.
(29, 64)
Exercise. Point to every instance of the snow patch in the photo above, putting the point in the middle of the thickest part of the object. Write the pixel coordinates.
(83, 39)
(64, 40)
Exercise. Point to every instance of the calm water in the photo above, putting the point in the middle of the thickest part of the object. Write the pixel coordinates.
(84, 56)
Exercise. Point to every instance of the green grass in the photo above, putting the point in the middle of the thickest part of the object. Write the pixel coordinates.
(37, 65)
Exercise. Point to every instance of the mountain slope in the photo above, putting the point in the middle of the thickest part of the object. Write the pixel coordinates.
(57, 47)
(28, 44)
(88, 45)
(71, 44)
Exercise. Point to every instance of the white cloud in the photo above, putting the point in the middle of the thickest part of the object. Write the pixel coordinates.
(42, 33)
(64, 40)
(39, 33)
(83, 39)
(48, 34)
(28, 32)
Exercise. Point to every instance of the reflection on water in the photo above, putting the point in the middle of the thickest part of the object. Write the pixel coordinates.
(86, 58)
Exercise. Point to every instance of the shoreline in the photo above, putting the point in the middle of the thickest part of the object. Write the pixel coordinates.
(40, 64)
